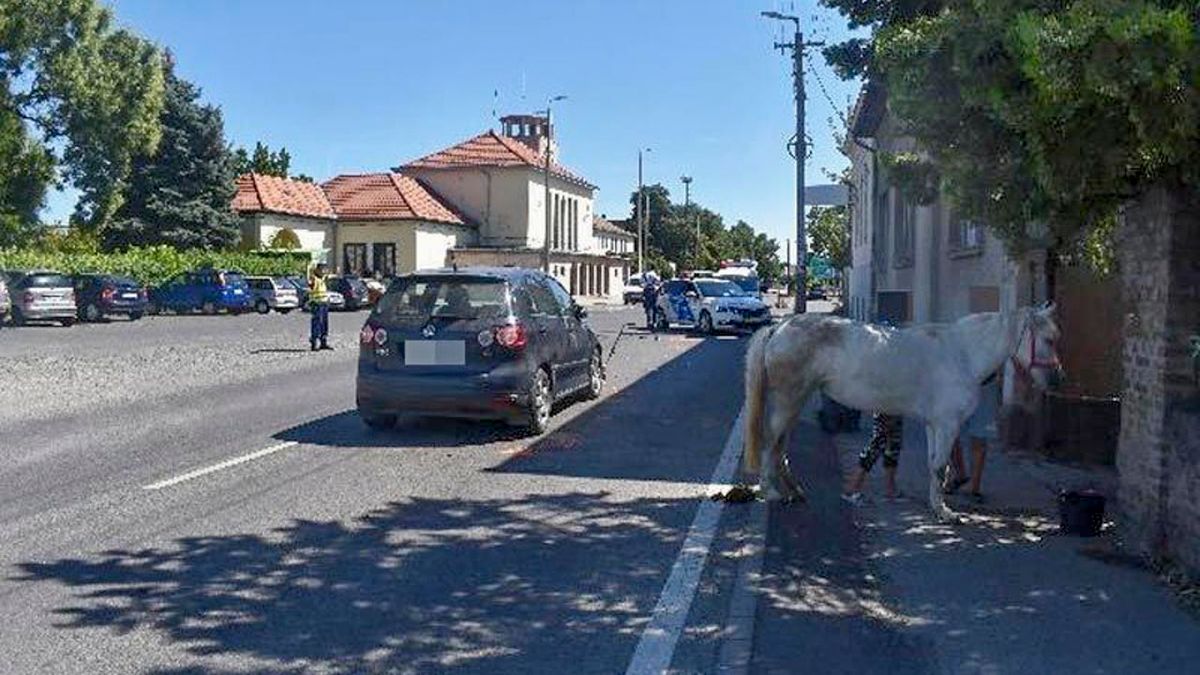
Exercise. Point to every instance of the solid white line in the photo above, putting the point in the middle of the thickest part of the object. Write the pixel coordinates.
(657, 645)
(222, 465)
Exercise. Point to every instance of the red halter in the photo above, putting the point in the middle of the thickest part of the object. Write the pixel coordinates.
(1034, 361)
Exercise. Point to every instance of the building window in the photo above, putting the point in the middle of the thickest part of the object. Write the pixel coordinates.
(965, 235)
(354, 258)
(905, 219)
(383, 259)
(894, 307)
(878, 247)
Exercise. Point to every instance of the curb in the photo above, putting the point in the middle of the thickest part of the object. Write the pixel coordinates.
(737, 645)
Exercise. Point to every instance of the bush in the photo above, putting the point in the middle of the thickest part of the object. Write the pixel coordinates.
(155, 264)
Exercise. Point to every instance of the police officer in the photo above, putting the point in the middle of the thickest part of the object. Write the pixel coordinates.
(650, 299)
(318, 301)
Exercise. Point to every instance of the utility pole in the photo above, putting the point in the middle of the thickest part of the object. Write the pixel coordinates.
(797, 46)
(549, 141)
(687, 203)
(641, 216)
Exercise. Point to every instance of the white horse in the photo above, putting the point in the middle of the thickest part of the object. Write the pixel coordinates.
(932, 373)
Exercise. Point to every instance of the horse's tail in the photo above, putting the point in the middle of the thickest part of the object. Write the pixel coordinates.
(756, 398)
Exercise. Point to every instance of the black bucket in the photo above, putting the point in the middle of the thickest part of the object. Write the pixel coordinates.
(1081, 512)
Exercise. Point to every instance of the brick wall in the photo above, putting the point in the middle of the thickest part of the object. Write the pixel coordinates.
(1159, 456)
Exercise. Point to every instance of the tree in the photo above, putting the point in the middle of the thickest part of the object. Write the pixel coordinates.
(26, 169)
(263, 161)
(829, 234)
(182, 195)
(285, 239)
(1038, 111)
(93, 94)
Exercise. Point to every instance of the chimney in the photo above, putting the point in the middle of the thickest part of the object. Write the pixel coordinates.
(532, 130)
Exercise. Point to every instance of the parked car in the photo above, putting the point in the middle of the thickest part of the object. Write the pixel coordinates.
(5, 302)
(480, 343)
(269, 293)
(632, 295)
(353, 290)
(207, 290)
(41, 295)
(816, 293)
(336, 301)
(101, 295)
(709, 305)
(746, 279)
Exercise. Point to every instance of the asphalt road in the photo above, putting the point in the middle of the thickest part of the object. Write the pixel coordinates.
(196, 494)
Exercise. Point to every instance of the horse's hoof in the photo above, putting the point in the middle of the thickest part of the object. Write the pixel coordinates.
(948, 517)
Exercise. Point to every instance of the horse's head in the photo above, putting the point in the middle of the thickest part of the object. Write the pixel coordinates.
(1036, 355)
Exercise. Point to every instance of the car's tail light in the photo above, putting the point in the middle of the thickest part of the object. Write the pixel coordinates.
(372, 335)
(29, 296)
(512, 336)
(107, 294)
(145, 293)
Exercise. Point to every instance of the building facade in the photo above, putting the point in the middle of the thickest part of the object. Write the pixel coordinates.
(482, 201)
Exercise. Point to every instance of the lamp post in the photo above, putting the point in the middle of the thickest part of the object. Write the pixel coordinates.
(549, 139)
(798, 45)
(687, 202)
(641, 214)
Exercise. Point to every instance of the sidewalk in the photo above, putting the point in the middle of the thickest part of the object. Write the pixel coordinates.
(883, 588)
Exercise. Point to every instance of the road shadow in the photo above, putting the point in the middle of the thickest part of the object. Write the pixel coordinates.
(633, 434)
(417, 585)
(281, 350)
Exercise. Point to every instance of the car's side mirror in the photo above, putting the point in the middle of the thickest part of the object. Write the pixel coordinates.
(579, 311)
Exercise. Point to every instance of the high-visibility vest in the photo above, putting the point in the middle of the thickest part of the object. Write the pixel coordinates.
(317, 293)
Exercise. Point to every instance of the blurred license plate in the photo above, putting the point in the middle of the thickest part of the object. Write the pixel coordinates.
(435, 353)
(129, 296)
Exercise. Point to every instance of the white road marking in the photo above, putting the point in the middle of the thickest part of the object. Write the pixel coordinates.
(222, 465)
(657, 645)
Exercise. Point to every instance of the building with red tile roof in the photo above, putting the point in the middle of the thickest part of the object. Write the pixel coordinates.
(387, 196)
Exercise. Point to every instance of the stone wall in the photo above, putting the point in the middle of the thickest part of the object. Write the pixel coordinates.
(1159, 456)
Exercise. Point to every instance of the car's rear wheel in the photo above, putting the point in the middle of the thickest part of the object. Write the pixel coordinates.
(541, 400)
(262, 307)
(595, 375)
(92, 313)
(208, 308)
(18, 318)
(706, 323)
(378, 422)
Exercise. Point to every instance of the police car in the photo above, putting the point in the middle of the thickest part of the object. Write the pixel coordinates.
(709, 305)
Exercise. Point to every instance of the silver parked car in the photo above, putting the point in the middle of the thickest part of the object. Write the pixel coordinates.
(278, 294)
(42, 295)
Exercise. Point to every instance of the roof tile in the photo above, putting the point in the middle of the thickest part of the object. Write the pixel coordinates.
(387, 196)
(274, 194)
(492, 149)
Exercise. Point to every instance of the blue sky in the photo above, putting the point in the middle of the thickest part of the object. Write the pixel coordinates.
(366, 85)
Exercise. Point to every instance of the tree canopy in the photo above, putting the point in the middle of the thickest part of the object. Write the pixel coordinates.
(262, 161)
(829, 234)
(1038, 111)
(91, 92)
(671, 236)
(182, 195)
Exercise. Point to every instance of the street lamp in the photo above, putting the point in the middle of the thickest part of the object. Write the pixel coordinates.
(549, 139)
(641, 213)
(687, 202)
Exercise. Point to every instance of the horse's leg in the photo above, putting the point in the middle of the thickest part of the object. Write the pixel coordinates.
(792, 405)
(940, 444)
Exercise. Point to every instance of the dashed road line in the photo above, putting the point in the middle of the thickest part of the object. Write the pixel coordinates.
(656, 647)
(234, 461)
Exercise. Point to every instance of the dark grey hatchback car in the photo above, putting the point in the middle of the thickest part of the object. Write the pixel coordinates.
(480, 343)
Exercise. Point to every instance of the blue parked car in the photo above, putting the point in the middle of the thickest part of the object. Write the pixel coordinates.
(209, 291)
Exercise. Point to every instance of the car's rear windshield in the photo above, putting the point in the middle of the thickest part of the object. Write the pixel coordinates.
(47, 281)
(748, 284)
(419, 298)
(635, 282)
(121, 281)
(233, 279)
(284, 284)
(713, 288)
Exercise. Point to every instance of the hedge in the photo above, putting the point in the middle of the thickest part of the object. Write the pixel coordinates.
(156, 264)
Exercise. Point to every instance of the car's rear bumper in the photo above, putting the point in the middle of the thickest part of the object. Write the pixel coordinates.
(128, 307)
(498, 394)
(37, 313)
(739, 321)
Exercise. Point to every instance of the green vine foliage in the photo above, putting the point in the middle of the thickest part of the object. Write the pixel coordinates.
(915, 177)
(1048, 111)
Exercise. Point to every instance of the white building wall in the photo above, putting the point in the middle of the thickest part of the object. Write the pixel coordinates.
(859, 287)
(315, 234)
